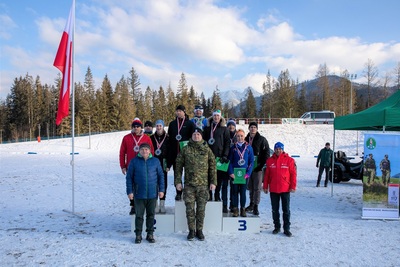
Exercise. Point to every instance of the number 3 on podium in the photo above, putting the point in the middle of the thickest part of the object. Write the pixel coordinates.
(242, 225)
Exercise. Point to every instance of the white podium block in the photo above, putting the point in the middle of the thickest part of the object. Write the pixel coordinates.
(212, 219)
(163, 223)
(250, 224)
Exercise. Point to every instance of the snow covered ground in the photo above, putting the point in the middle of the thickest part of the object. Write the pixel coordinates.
(35, 188)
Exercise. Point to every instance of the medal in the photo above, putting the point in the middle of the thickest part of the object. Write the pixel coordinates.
(158, 150)
(211, 141)
(178, 137)
(136, 147)
(241, 161)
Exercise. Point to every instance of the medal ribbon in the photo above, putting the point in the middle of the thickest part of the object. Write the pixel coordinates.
(213, 130)
(241, 155)
(180, 126)
(160, 144)
(137, 142)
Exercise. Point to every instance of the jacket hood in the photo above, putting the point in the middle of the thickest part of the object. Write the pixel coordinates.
(222, 122)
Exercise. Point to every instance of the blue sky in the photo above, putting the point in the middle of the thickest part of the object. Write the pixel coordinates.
(229, 44)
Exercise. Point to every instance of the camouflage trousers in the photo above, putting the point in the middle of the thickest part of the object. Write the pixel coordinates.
(371, 175)
(385, 176)
(195, 198)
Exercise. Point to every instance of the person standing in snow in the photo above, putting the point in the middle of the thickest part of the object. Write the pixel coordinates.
(160, 141)
(260, 147)
(145, 182)
(280, 179)
(179, 130)
(130, 149)
(325, 163)
(241, 160)
(200, 176)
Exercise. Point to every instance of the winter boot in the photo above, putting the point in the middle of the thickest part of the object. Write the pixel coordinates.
(138, 239)
(150, 238)
(162, 207)
(243, 212)
(255, 210)
(326, 183)
(225, 209)
(217, 197)
(190, 236)
(250, 207)
(235, 212)
(200, 235)
(210, 197)
(276, 230)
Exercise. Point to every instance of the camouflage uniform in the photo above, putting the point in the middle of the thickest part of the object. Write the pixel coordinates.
(370, 168)
(385, 168)
(200, 171)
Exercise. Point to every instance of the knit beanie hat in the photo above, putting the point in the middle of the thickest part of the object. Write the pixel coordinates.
(160, 122)
(253, 123)
(136, 122)
(198, 130)
(148, 124)
(181, 107)
(144, 145)
(217, 112)
(279, 145)
(231, 122)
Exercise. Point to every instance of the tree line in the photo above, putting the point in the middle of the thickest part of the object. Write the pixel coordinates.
(30, 108)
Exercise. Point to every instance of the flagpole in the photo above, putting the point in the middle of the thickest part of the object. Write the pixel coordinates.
(73, 112)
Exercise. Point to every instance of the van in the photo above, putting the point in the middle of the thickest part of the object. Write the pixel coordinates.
(318, 117)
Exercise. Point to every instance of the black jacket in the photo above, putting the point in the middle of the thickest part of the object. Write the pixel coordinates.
(164, 146)
(260, 149)
(221, 136)
(173, 144)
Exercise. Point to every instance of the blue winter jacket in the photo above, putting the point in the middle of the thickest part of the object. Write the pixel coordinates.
(144, 178)
(234, 157)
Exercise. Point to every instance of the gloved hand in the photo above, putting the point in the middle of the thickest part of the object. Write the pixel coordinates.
(224, 160)
(246, 176)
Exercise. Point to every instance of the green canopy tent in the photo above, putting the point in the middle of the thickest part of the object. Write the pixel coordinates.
(384, 116)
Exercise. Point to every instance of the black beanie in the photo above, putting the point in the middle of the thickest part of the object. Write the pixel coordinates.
(253, 123)
(181, 107)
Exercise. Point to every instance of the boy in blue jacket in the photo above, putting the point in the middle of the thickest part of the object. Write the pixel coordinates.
(145, 183)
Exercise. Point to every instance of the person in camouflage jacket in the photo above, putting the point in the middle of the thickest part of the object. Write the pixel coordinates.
(200, 177)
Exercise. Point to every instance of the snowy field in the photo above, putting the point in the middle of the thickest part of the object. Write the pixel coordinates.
(35, 188)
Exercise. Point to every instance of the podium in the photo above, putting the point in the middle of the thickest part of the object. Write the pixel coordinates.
(174, 220)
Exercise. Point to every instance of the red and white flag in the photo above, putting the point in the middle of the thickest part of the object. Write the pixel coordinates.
(63, 62)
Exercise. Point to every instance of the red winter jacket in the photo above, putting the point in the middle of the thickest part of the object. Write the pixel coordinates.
(126, 152)
(280, 175)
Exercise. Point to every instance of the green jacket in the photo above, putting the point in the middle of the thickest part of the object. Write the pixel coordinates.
(199, 163)
(325, 157)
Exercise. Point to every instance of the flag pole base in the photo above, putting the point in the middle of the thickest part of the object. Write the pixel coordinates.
(73, 213)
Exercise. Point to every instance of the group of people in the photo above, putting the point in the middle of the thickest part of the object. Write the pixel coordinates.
(384, 166)
(198, 150)
(324, 163)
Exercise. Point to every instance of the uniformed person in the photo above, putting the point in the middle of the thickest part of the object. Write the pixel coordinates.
(385, 169)
(370, 168)
(200, 177)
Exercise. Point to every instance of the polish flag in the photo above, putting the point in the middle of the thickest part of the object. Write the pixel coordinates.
(63, 62)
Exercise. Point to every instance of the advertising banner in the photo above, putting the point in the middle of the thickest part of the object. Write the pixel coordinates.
(381, 176)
